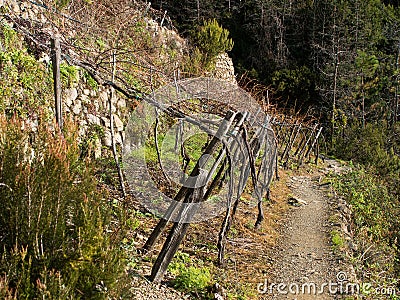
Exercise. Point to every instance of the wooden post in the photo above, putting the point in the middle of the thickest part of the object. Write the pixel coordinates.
(162, 224)
(277, 166)
(316, 154)
(56, 61)
(192, 195)
(290, 146)
(162, 21)
(314, 142)
(300, 160)
(114, 148)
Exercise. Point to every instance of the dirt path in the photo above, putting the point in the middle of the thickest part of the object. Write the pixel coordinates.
(303, 259)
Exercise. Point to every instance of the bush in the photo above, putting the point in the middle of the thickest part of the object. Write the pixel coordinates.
(376, 225)
(369, 146)
(295, 85)
(26, 84)
(189, 278)
(337, 240)
(55, 228)
(212, 40)
(373, 206)
(193, 279)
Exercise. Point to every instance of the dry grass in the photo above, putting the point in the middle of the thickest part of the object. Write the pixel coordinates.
(247, 248)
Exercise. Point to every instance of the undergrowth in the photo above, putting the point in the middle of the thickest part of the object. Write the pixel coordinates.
(376, 226)
(190, 278)
(372, 189)
(26, 84)
(56, 237)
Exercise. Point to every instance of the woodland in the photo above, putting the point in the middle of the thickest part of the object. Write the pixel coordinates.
(337, 61)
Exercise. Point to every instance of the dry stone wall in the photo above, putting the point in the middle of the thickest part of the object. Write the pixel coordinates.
(26, 10)
(89, 106)
(224, 68)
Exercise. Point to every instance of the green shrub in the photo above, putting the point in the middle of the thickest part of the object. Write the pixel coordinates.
(189, 278)
(90, 81)
(26, 84)
(55, 239)
(69, 74)
(368, 146)
(193, 279)
(373, 206)
(337, 240)
(376, 225)
(373, 191)
(295, 84)
(212, 40)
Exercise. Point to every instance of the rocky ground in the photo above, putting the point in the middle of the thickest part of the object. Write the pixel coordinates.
(304, 260)
(142, 289)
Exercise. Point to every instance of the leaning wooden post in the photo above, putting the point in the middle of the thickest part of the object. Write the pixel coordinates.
(113, 146)
(187, 209)
(56, 61)
(286, 162)
(314, 142)
(162, 224)
(301, 154)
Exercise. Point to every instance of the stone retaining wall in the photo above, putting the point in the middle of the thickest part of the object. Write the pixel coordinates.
(90, 106)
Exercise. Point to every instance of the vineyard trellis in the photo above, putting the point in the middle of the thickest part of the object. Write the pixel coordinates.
(298, 140)
(240, 143)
